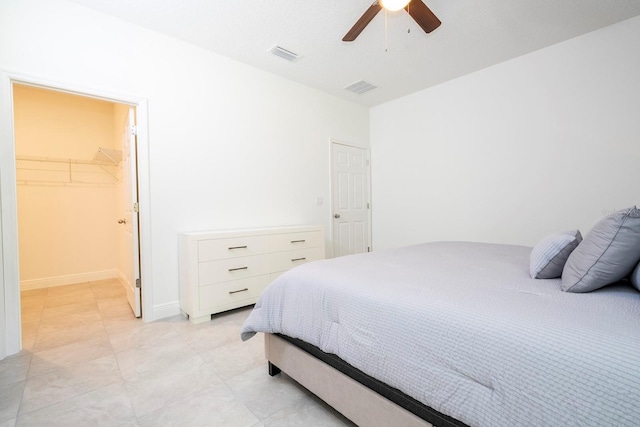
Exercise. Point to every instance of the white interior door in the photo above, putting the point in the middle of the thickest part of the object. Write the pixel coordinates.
(131, 256)
(350, 200)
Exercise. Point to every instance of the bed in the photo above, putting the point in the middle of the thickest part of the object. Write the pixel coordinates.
(453, 334)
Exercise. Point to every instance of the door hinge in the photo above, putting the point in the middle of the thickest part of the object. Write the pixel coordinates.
(134, 130)
(136, 207)
(368, 206)
(368, 249)
(138, 283)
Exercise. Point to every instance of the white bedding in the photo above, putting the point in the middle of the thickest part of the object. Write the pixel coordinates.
(462, 328)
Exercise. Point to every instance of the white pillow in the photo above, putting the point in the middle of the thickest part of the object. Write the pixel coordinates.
(551, 253)
(608, 253)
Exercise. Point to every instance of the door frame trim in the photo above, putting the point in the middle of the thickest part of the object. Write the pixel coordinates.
(331, 222)
(10, 324)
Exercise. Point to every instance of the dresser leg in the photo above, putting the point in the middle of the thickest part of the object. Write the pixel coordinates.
(197, 320)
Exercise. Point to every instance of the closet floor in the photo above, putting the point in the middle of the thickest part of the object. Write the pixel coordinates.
(86, 360)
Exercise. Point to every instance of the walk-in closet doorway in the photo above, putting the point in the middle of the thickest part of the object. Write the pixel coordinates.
(76, 197)
(10, 278)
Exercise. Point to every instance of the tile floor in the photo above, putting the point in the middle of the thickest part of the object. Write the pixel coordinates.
(88, 361)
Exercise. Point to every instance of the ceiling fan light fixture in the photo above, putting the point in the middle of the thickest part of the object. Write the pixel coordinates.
(419, 11)
(393, 5)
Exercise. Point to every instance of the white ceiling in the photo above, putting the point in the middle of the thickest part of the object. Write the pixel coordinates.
(474, 34)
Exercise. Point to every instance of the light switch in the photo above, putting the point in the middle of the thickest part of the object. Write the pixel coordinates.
(319, 201)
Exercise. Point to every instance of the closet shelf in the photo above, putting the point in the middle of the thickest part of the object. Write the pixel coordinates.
(109, 155)
(63, 171)
(64, 160)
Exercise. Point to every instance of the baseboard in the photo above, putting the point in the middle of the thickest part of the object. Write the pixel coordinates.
(161, 311)
(121, 276)
(69, 279)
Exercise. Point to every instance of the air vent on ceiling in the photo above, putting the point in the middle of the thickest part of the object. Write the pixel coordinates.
(360, 87)
(284, 54)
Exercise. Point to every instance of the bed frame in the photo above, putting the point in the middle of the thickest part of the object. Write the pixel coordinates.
(357, 402)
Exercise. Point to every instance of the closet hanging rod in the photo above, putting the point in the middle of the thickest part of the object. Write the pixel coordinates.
(59, 160)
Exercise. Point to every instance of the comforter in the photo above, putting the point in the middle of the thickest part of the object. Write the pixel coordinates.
(462, 328)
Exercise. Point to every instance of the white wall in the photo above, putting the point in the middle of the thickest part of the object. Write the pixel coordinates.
(229, 145)
(542, 143)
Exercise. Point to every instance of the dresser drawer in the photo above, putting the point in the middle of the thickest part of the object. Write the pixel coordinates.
(291, 241)
(209, 250)
(282, 261)
(225, 270)
(235, 291)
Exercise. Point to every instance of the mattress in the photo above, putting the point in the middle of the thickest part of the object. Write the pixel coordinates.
(463, 329)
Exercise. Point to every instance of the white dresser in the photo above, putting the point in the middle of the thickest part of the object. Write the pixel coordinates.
(222, 270)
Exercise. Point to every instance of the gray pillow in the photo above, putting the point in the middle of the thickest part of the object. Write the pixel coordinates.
(607, 254)
(635, 277)
(548, 257)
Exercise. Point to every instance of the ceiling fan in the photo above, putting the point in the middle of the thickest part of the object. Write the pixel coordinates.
(416, 8)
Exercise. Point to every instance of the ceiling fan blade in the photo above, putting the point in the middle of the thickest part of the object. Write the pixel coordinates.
(423, 15)
(362, 22)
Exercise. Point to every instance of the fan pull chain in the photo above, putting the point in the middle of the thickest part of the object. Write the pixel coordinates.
(386, 32)
(409, 18)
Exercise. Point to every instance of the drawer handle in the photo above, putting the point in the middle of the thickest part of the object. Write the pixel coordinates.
(239, 290)
(237, 247)
(239, 268)
(298, 259)
(298, 241)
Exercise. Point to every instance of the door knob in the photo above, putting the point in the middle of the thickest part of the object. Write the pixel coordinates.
(122, 221)
(336, 216)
